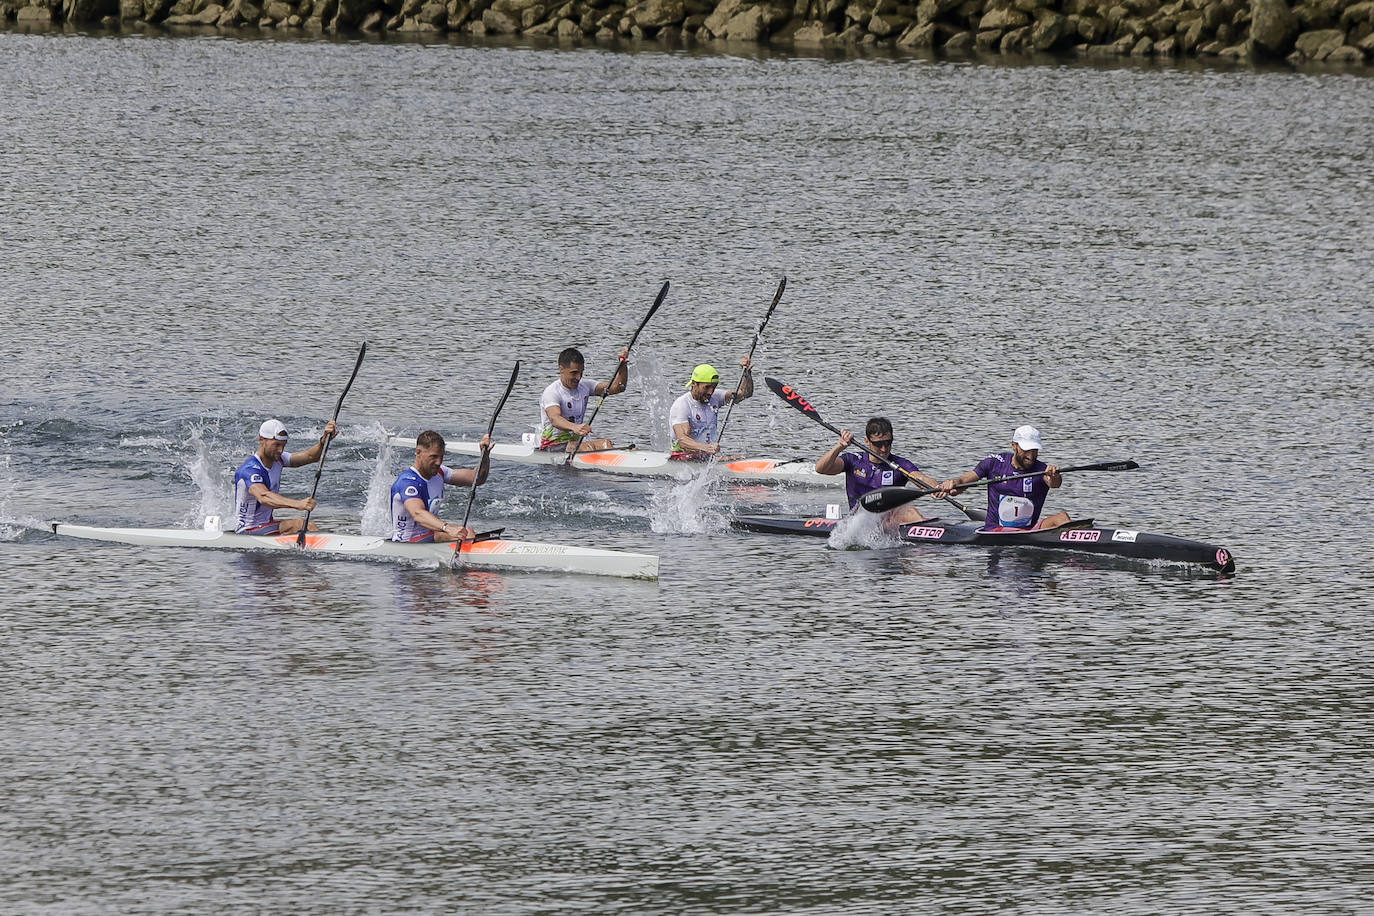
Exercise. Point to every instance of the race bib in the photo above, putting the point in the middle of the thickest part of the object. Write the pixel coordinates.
(1015, 512)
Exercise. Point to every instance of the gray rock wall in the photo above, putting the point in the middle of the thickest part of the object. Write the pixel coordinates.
(1340, 31)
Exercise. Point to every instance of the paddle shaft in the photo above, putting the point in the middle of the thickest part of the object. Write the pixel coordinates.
(793, 397)
(662, 294)
(758, 332)
(1100, 466)
(324, 449)
(486, 452)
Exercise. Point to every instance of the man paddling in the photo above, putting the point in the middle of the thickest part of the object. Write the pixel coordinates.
(862, 473)
(693, 416)
(257, 479)
(417, 493)
(1015, 503)
(564, 403)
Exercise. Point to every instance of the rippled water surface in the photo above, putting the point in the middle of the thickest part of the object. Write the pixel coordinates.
(1166, 265)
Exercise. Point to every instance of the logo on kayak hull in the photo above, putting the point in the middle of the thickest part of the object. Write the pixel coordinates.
(927, 534)
(1121, 534)
(1081, 534)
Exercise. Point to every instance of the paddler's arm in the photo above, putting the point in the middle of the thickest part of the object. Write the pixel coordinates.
(558, 421)
(680, 433)
(273, 500)
(953, 486)
(746, 383)
(312, 454)
(831, 463)
(416, 507)
(462, 477)
(620, 380)
(923, 477)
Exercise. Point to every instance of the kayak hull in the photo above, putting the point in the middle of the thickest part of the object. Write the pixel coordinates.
(633, 462)
(495, 553)
(1077, 537)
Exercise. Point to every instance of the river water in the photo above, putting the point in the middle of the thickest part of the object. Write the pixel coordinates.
(1170, 265)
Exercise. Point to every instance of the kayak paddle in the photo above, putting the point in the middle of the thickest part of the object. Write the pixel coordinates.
(758, 332)
(662, 294)
(794, 398)
(324, 450)
(486, 451)
(892, 497)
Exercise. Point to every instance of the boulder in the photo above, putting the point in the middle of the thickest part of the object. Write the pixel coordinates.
(723, 13)
(654, 14)
(920, 35)
(1359, 12)
(1272, 26)
(1004, 18)
(1319, 45)
(1143, 48)
(747, 25)
(34, 15)
(1345, 54)
(886, 24)
(568, 29)
(959, 41)
(1015, 40)
(813, 32)
(499, 22)
(1047, 31)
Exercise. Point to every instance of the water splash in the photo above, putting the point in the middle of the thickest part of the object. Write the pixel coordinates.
(863, 530)
(691, 507)
(12, 528)
(646, 373)
(206, 469)
(376, 514)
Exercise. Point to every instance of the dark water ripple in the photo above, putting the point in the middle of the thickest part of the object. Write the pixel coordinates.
(1170, 265)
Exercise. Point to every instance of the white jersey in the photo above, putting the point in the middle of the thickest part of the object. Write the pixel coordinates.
(700, 418)
(571, 402)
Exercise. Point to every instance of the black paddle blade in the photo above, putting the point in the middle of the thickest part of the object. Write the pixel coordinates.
(793, 397)
(885, 498)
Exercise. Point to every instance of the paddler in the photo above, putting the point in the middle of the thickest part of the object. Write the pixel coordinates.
(257, 479)
(1015, 503)
(564, 403)
(416, 494)
(693, 416)
(862, 473)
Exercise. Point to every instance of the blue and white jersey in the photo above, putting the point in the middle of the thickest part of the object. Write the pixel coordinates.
(410, 485)
(248, 512)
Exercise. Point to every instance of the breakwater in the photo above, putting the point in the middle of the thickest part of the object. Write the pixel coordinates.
(1337, 31)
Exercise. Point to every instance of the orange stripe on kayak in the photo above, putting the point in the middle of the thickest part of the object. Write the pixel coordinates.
(485, 546)
(312, 541)
(605, 458)
(753, 465)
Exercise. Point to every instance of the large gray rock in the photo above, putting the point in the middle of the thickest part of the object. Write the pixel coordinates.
(885, 24)
(1272, 26)
(1345, 54)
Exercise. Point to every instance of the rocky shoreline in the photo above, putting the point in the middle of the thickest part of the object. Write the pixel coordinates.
(1336, 31)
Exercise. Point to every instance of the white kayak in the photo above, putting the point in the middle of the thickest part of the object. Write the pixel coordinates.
(635, 462)
(495, 553)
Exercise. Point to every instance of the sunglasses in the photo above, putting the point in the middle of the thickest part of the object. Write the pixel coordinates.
(880, 443)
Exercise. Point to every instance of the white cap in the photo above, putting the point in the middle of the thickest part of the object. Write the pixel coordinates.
(1028, 437)
(272, 429)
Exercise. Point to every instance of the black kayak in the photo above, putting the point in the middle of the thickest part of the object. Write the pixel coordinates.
(1079, 536)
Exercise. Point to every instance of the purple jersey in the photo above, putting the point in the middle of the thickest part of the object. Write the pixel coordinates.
(862, 474)
(1013, 503)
